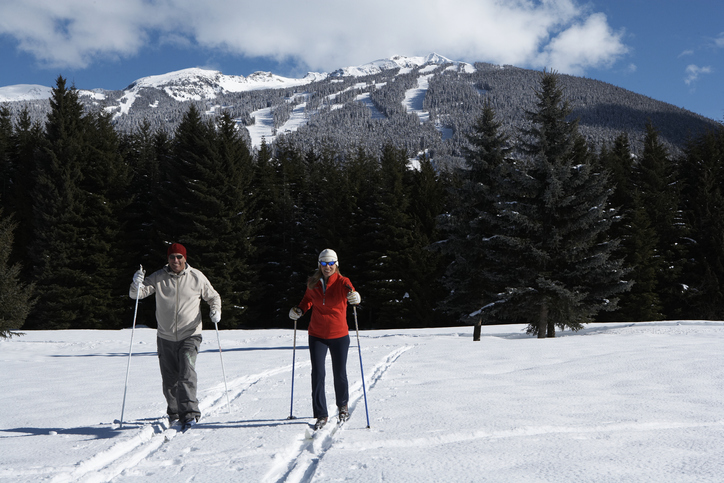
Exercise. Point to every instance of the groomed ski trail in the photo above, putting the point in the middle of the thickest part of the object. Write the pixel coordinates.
(300, 461)
(150, 437)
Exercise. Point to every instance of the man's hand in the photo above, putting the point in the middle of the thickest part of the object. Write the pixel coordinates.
(215, 316)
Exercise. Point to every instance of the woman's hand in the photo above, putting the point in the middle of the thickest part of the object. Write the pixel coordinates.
(354, 298)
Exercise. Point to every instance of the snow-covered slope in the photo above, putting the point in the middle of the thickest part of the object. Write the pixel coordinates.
(197, 84)
(628, 402)
(405, 64)
(24, 92)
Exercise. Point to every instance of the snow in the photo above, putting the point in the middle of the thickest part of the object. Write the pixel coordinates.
(24, 92)
(375, 113)
(263, 127)
(197, 84)
(614, 402)
(414, 98)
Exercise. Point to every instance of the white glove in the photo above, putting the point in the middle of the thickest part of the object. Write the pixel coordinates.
(295, 313)
(138, 278)
(354, 298)
(215, 316)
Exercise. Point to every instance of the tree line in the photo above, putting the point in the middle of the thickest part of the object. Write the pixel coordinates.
(536, 228)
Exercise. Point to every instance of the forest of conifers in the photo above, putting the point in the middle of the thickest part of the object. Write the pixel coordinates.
(536, 229)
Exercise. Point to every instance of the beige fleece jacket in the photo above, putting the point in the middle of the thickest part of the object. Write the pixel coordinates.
(178, 300)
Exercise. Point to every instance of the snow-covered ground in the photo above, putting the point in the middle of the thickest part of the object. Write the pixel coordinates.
(612, 403)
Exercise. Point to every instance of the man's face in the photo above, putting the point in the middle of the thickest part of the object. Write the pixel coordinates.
(176, 262)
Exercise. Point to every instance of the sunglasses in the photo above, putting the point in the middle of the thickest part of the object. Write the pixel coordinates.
(177, 257)
(324, 264)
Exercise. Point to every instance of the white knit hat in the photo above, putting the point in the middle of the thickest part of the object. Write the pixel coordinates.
(328, 255)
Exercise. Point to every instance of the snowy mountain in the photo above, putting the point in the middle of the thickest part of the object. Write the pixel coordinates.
(24, 92)
(418, 103)
(197, 84)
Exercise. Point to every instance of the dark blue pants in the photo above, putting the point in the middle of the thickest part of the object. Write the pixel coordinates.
(338, 349)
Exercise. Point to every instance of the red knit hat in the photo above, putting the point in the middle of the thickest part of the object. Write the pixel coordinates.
(176, 248)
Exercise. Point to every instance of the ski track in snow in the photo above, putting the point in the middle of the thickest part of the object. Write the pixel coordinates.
(299, 462)
(127, 454)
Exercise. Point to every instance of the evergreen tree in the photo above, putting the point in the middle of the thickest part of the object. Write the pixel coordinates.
(77, 202)
(104, 186)
(655, 177)
(16, 298)
(639, 246)
(6, 178)
(703, 201)
(469, 277)
(139, 151)
(638, 238)
(224, 232)
(281, 185)
(393, 246)
(549, 234)
(142, 150)
(57, 208)
(364, 179)
(180, 171)
(424, 278)
(27, 141)
(265, 191)
(619, 164)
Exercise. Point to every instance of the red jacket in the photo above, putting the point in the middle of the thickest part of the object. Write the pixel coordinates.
(329, 317)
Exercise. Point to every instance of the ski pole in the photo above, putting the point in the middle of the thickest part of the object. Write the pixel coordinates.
(294, 357)
(223, 371)
(130, 351)
(361, 370)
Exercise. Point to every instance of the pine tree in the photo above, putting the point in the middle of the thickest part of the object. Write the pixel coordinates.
(549, 233)
(639, 246)
(265, 191)
(424, 278)
(27, 141)
(78, 197)
(16, 298)
(364, 179)
(393, 250)
(6, 178)
(57, 207)
(703, 202)
(469, 277)
(177, 207)
(224, 232)
(655, 178)
(139, 151)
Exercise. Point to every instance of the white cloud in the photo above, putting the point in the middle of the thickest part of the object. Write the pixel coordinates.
(693, 72)
(591, 43)
(719, 41)
(319, 34)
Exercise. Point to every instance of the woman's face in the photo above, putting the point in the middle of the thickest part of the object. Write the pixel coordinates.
(327, 268)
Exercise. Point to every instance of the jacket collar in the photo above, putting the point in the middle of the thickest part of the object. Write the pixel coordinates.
(332, 278)
(182, 272)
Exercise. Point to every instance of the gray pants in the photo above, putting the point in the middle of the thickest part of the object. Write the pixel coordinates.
(178, 374)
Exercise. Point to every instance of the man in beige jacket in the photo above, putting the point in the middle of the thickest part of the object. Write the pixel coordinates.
(179, 289)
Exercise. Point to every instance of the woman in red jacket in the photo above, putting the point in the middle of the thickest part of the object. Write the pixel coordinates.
(328, 292)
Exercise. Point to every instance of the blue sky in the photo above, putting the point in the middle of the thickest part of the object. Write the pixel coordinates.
(670, 50)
